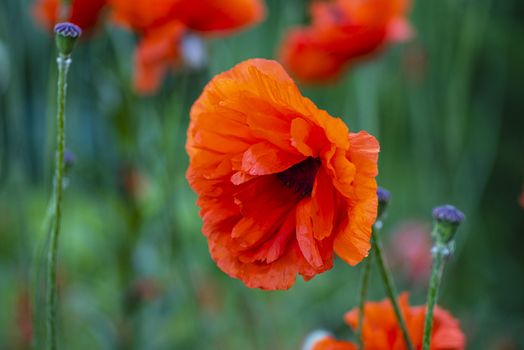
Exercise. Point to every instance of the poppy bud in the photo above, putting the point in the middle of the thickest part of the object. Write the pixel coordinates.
(383, 200)
(447, 219)
(65, 35)
(69, 160)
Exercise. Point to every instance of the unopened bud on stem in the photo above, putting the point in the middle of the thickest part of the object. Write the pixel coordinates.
(447, 220)
(383, 200)
(66, 35)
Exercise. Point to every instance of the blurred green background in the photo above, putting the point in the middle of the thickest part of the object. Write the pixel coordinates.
(134, 271)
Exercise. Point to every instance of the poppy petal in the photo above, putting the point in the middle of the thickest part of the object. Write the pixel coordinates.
(352, 242)
(322, 206)
(380, 329)
(219, 15)
(305, 238)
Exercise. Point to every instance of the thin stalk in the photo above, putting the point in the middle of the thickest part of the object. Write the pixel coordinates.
(63, 66)
(364, 283)
(434, 284)
(391, 291)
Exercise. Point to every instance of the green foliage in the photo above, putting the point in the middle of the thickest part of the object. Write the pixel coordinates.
(446, 107)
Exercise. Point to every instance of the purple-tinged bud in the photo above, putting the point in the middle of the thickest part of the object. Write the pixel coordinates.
(66, 35)
(448, 213)
(383, 195)
(69, 159)
(447, 219)
(383, 200)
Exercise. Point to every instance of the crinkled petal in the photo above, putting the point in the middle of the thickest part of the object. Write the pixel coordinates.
(305, 238)
(352, 242)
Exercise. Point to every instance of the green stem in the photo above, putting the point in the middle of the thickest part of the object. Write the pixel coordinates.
(434, 284)
(389, 285)
(63, 67)
(364, 283)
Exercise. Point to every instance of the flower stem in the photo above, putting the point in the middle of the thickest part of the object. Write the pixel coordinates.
(389, 285)
(434, 283)
(364, 282)
(63, 62)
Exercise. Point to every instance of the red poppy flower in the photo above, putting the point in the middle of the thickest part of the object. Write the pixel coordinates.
(329, 343)
(83, 13)
(381, 331)
(156, 54)
(163, 23)
(142, 15)
(24, 317)
(219, 15)
(342, 31)
(410, 250)
(281, 184)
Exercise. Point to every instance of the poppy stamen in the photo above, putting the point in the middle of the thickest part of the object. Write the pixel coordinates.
(301, 176)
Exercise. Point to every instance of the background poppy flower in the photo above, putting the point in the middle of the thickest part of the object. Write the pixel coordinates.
(203, 15)
(219, 15)
(142, 15)
(47, 13)
(410, 250)
(329, 343)
(156, 54)
(381, 332)
(163, 24)
(341, 32)
(281, 184)
(83, 13)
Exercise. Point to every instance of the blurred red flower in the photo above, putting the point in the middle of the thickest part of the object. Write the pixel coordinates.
(411, 250)
(163, 24)
(343, 31)
(329, 343)
(24, 319)
(281, 184)
(381, 331)
(47, 12)
(212, 16)
(142, 15)
(156, 54)
(83, 13)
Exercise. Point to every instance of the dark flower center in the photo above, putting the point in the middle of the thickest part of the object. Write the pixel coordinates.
(301, 177)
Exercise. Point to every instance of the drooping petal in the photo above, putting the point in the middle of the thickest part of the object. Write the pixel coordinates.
(305, 238)
(156, 54)
(323, 206)
(263, 158)
(264, 206)
(275, 247)
(352, 242)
